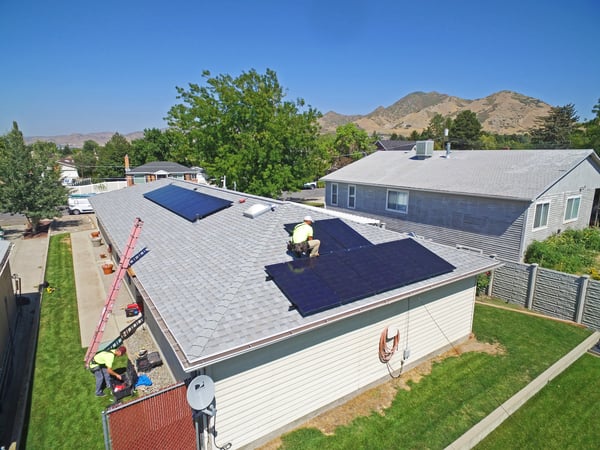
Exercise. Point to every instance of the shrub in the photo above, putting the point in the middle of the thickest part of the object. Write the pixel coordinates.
(573, 251)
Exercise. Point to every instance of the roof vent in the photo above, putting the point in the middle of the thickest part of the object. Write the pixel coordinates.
(424, 149)
(256, 210)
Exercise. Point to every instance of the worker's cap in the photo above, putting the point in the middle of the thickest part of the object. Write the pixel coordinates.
(308, 219)
(122, 350)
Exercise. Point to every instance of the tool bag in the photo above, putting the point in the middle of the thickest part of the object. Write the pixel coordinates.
(298, 249)
(126, 386)
(148, 361)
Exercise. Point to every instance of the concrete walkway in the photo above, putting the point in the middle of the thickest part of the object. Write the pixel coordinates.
(476, 434)
(27, 263)
(93, 287)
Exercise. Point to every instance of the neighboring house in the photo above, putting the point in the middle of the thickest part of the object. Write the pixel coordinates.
(209, 285)
(8, 308)
(496, 201)
(389, 145)
(68, 171)
(157, 170)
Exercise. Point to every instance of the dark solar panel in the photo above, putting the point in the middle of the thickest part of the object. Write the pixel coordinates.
(334, 235)
(317, 284)
(187, 203)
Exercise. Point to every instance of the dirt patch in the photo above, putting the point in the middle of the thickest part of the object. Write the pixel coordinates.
(380, 398)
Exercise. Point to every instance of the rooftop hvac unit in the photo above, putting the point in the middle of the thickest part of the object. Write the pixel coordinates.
(424, 149)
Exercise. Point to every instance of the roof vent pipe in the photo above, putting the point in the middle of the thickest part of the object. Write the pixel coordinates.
(447, 142)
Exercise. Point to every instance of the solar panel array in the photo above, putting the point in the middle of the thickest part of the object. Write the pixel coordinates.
(313, 285)
(187, 203)
(334, 235)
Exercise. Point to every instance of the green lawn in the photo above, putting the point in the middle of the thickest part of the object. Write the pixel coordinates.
(563, 415)
(65, 413)
(461, 391)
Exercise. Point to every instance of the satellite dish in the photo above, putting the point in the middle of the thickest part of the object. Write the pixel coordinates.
(201, 392)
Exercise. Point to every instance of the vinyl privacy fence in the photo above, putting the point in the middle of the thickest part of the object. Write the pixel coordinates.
(556, 294)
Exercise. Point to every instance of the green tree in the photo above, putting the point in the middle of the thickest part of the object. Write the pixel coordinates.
(86, 159)
(111, 157)
(555, 129)
(29, 178)
(397, 137)
(157, 145)
(243, 129)
(435, 130)
(596, 111)
(352, 141)
(465, 130)
(589, 135)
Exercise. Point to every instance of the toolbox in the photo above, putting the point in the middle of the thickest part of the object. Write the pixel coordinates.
(126, 386)
(132, 309)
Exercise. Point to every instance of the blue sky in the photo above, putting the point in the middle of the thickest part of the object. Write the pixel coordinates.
(81, 67)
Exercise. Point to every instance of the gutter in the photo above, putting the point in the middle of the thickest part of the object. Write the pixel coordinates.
(436, 191)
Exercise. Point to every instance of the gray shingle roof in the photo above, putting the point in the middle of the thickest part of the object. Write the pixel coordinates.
(516, 174)
(206, 280)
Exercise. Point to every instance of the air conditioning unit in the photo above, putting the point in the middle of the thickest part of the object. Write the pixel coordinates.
(424, 149)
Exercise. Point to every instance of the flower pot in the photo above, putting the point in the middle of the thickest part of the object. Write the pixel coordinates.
(95, 234)
(96, 242)
(107, 268)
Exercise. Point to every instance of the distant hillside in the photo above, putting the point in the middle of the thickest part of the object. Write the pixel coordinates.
(76, 140)
(505, 112)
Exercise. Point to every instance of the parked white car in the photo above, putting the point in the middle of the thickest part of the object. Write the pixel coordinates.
(310, 185)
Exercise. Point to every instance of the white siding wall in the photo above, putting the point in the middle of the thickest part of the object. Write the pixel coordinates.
(265, 391)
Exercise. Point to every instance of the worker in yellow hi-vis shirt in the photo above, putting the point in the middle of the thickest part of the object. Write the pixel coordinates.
(101, 367)
(302, 238)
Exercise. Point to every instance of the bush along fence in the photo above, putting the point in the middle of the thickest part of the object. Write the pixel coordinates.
(556, 294)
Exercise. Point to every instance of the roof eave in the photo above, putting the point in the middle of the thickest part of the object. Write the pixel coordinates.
(437, 191)
(239, 350)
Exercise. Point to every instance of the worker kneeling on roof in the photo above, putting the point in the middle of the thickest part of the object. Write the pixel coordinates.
(101, 366)
(302, 237)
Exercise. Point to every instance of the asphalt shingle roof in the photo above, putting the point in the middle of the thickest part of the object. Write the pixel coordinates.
(515, 174)
(206, 280)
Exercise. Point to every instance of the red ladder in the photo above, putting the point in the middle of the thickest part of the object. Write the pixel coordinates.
(114, 290)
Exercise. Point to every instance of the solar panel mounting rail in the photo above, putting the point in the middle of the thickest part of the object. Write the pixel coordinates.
(124, 264)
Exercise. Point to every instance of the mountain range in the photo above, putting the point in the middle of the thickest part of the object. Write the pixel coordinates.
(504, 112)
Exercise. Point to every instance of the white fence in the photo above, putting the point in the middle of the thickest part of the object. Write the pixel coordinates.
(98, 188)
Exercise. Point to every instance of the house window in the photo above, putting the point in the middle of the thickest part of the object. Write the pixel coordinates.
(572, 209)
(541, 215)
(334, 192)
(397, 201)
(351, 196)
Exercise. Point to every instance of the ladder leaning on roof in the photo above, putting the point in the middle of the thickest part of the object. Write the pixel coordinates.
(125, 262)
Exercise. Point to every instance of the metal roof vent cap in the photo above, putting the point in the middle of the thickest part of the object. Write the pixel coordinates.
(256, 210)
